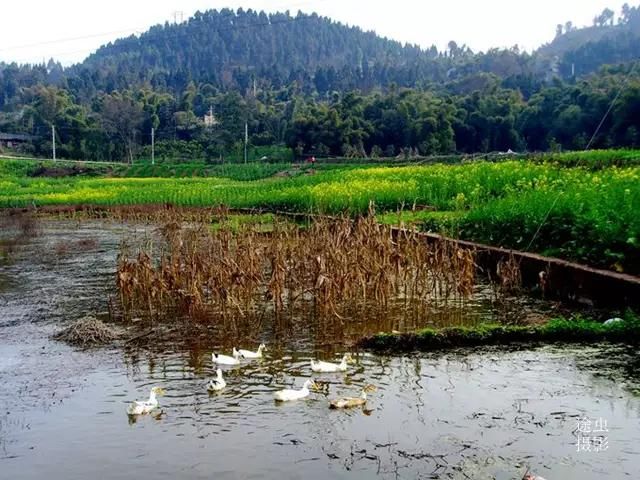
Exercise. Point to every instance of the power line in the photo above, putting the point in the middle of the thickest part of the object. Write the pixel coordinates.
(147, 37)
(145, 31)
(68, 39)
(623, 86)
(53, 141)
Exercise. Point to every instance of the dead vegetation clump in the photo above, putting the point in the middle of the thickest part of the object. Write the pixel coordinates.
(16, 229)
(65, 247)
(507, 289)
(143, 214)
(87, 332)
(337, 267)
(509, 275)
(60, 171)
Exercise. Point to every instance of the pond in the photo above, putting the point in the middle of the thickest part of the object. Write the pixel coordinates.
(482, 413)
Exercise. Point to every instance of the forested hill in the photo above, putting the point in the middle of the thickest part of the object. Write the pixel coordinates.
(612, 39)
(317, 86)
(229, 49)
(237, 50)
(240, 50)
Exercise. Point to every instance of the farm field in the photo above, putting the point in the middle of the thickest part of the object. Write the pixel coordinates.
(586, 214)
(242, 243)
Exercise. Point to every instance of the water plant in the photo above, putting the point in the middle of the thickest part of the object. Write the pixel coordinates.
(336, 267)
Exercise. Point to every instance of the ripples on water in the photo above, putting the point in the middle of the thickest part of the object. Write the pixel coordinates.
(467, 414)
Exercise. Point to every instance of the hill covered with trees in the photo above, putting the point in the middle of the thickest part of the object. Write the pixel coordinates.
(612, 39)
(317, 86)
(240, 50)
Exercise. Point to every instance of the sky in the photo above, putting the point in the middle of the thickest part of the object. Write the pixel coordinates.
(69, 30)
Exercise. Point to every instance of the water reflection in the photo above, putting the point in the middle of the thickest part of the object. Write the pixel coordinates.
(486, 413)
(438, 412)
(474, 413)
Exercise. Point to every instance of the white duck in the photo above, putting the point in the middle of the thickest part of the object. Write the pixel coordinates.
(225, 359)
(291, 395)
(218, 383)
(252, 355)
(144, 407)
(327, 367)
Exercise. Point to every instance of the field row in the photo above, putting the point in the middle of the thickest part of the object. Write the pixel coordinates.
(585, 215)
(593, 160)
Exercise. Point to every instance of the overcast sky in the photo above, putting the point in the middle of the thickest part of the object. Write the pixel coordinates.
(31, 30)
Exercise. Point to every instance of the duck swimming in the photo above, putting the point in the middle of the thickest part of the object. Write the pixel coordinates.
(218, 383)
(225, 359)
(144, 407)
(291, 395)
(328, 367)
(350, 402)
(251, 355)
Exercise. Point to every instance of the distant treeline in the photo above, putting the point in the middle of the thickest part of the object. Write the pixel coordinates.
(117, 126)
(321, 88)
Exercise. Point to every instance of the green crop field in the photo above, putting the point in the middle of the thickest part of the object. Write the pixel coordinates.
(587, 213)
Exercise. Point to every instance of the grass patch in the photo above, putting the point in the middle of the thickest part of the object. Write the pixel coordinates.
(593, 159)
(59, 168)
(252, 171)
(576, 330)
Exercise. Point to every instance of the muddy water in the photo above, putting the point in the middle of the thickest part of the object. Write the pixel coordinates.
(486, 413)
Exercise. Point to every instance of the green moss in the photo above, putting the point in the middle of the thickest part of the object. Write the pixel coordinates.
(576, 330)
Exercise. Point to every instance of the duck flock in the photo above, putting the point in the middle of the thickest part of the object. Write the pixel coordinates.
(218, 383)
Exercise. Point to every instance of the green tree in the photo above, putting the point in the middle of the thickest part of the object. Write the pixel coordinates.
(122, 118)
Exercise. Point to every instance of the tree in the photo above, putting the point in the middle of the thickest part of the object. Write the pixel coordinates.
(376, 152)
(454, 50)
(625, 14)
(122, 117)
(559, 30)
(48, 103)
(606, 17)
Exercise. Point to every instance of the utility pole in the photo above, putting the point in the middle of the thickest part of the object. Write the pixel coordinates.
(178, 14)
(153, 146)
(246, 139)
(53, 141)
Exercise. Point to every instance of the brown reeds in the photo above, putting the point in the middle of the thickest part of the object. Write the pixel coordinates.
(142, 214)
(507, 289)
(336, 267)
(509, 275)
